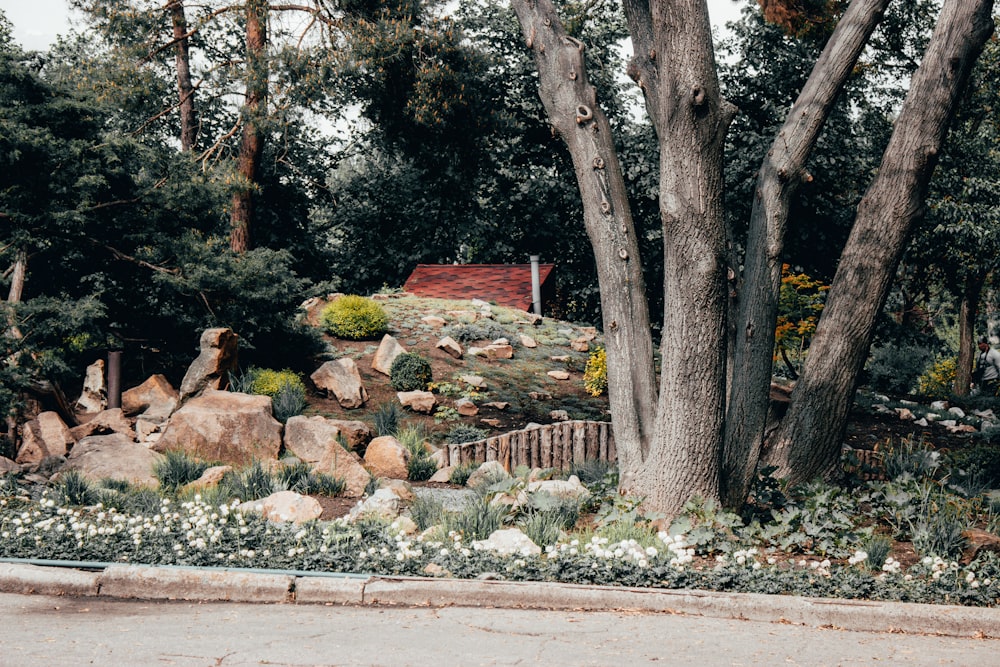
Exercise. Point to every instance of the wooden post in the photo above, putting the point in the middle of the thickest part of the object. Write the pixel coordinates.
(534, 455)
(592, 446)
(505, 452)
(546, 446)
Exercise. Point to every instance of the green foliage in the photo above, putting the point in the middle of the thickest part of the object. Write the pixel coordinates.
(800, 303)
(426, 512)
(410, 372)
(285, 387)
(355, 318)
(981, 459)
(301, 478)
(895, 368)
(251, 483)
(477, 519)
(176, 469)
(75, 489)
(460, 474)
(420, 466)
(479, 331)
(386, 419)
(595, 376)
(462, 433)
(877, 547)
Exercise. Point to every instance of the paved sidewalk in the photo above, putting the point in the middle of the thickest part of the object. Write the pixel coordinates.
(215, 585)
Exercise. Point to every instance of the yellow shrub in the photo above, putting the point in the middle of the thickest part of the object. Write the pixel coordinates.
(938, 380)
(595, 376)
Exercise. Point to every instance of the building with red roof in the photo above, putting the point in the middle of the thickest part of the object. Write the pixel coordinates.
(505, 284)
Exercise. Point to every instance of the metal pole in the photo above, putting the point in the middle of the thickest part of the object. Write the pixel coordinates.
(114, 379)
(536, 286)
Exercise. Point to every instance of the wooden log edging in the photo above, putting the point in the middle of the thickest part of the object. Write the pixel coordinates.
(559, 445)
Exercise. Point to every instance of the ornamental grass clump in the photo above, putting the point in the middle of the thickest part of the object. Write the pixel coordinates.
(176, 469)
(354, 317)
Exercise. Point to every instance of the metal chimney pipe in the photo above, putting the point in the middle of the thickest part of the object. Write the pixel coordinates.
(536, 286)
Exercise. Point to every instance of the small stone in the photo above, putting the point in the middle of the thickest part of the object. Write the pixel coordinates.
(466, 407)
(497, 405)
(434, 320)
(527, 341)
(476, 381)
(539, 396)
(559, 416)
(451, 346)
(558, 375)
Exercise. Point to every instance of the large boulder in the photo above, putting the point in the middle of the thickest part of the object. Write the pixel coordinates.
(94, 396)
(285, 506)
(387, 457)
(345, 465)
(45, 435)
(386, 353)
(153, 400)
(114, 457)
(105, 422)
(213, 364)
(310, 438)
(224, 427)
(342, 379)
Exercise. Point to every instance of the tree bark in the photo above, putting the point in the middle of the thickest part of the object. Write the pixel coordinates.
(968, 309)
(674, 66)
(781, 172)
(252, 143)
(807, 444)
(185, 90)
(572, 108)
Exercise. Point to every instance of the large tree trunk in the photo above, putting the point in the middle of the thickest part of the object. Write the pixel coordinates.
(808, 442)
(252, 144)
(185, 90)
(571, 104)
(781, 172)
(968, 309)
(674, 65)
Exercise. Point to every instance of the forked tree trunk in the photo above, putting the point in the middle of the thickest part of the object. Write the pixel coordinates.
(252, 143)
(185, 90)
(781, 172)
(674, 66)
(807, 444)
(571, 104)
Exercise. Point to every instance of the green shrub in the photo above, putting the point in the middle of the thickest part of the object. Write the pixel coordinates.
(410, 372)
(894, 369)
(421, 468)
(460, 474)
(354, 317)
(465, 433)
(426, 512)
(300, 478)
(176, 469)
(595, 375)
(285, 387)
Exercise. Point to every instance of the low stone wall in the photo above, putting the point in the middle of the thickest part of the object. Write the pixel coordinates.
(551, 446)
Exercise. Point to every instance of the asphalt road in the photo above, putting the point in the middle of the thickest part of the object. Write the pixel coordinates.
(47, 631)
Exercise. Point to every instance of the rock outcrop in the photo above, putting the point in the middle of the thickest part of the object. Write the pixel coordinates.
(224, 427)
(214, 362)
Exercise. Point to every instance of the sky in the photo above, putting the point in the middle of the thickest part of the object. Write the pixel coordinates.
(38, 22)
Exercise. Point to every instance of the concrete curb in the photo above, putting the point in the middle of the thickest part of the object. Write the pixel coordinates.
(207, 585)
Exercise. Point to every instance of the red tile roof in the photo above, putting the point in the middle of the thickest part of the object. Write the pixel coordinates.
(506, 284)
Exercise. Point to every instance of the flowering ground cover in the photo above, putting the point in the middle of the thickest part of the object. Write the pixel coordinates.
(903, 538)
